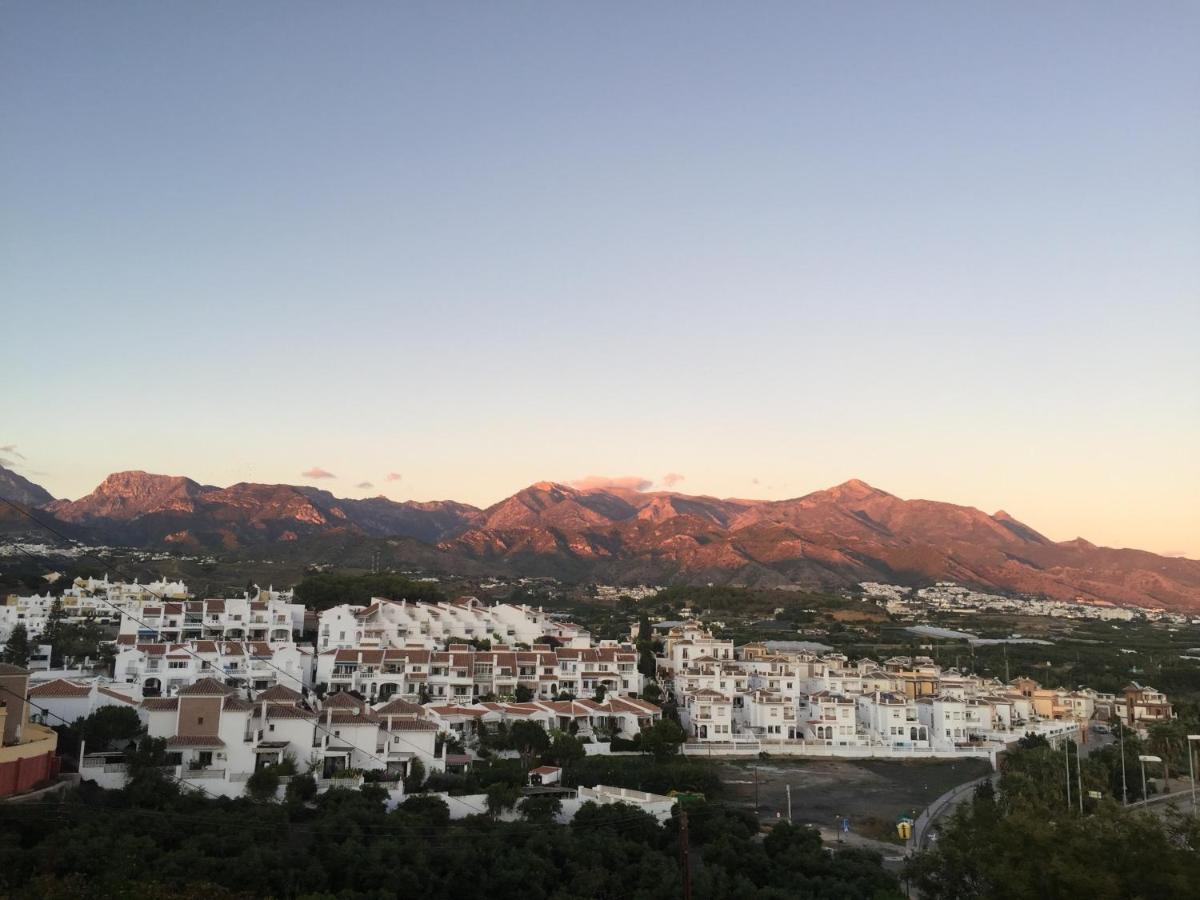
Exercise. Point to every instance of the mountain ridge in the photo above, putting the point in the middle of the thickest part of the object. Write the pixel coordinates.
(832, 537)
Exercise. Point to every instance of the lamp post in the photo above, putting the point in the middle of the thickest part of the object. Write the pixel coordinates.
(1143, 759)
(1124, 787)
(1067, 763)
(1192, 768)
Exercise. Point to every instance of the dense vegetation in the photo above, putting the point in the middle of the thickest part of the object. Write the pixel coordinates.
(150, 840)
(327, 590)
(1025, 841)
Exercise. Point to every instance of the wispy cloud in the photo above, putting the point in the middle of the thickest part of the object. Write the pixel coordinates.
(393, 476)
(9, 456)
(317, 472)
(599, 482)
(364, 485)
(671, 479)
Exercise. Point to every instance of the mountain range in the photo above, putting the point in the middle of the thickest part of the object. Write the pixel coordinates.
(835, 537)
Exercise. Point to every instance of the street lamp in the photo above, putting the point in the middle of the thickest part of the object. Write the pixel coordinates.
(1143, 760)
(1124, 787)
(1192, 768)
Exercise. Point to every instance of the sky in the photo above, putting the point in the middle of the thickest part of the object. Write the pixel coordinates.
(438, 250)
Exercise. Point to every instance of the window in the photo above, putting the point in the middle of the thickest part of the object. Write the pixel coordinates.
(199, 720)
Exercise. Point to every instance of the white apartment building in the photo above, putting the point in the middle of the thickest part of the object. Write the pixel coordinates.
(463, 675)
(66, 700)
(216, 736)
(399, 623)
(946, 719)
(707, 715)
(161, 669)
(890, 719)
(830, 719)
(689, 644)
(103, 601)
(273, 621)
(767, 714)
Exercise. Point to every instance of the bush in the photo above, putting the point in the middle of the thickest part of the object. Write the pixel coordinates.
(542, 808)
(263, 784)
(301, 789)
(427, 807)
(415, 779)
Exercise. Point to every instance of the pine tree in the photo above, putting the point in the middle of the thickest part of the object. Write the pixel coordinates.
(17, 650)
(55, 631)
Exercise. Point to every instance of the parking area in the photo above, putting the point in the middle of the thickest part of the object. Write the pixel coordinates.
(870, 793)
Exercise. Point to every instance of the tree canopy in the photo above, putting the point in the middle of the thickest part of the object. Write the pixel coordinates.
(330, 589)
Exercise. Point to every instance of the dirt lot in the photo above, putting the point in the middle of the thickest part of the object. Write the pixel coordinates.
(870, 792)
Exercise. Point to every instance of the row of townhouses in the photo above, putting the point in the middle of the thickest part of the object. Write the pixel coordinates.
(216, 735)
(463, 674)
(162, 669)
(160, 611)
(759, 693)
(388, 623)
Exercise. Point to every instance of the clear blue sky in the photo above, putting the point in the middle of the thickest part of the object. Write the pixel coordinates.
(952, 249)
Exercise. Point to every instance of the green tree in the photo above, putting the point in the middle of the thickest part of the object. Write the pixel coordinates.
(301, 789)
(109, 726)
(17, 649)
(522, 694)
(54, 631)
(565, 748)
(541, 808)
(415, 779)
(663, 739)
(529, 739)
(263, 784)
(501, 796)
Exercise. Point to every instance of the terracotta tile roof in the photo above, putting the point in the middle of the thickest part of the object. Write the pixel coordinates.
(545, 770)
(280, 711)
(237, 704)
(410, 724)
(342, 700)
(60, 687)
(351, 717)
(117, 695)
(280, 694)
(205, 687)
(160, 703)
(199, 740)
(400, 707)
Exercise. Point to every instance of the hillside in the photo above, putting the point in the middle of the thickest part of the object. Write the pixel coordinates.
(835, 537)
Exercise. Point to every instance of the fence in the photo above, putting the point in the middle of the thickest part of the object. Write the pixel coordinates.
(798, 748)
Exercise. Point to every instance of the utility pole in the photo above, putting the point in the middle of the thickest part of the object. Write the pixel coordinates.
(1007, 677)
(683, 856)
(756, 790)
(1079, 777)
(1067, 761)
(789, 801)
(1124, 787)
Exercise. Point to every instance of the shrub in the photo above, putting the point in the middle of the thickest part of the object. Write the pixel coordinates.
(301, 789)
(263, 784)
